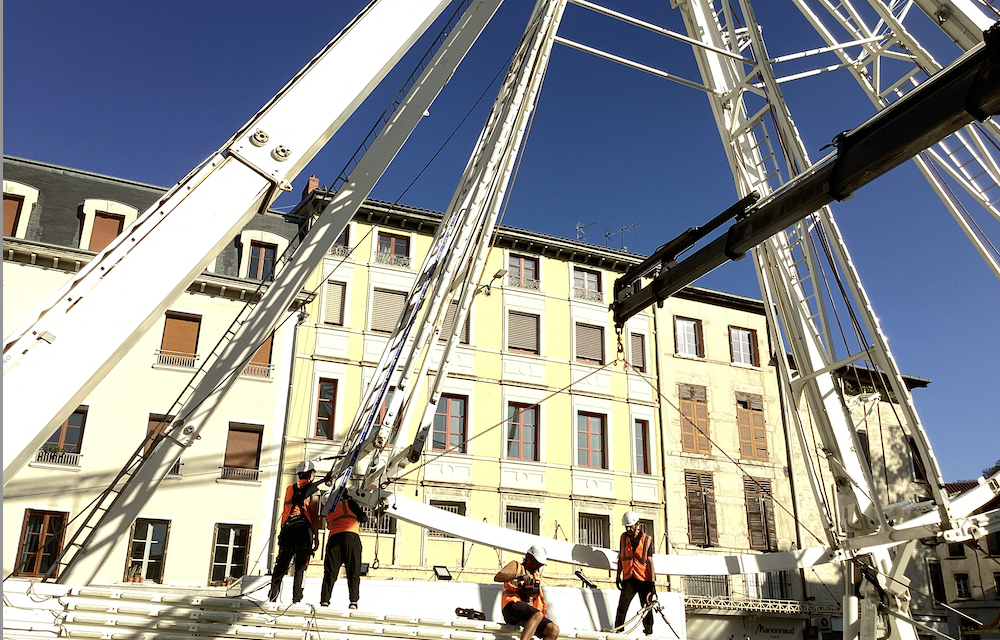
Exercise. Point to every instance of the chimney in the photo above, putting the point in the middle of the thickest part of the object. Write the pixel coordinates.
(311, 185)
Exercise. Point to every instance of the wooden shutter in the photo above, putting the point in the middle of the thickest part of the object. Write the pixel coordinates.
(760, 514)
(522, 332)
(702, 523)
(638, 351)
(449, 325)
(590, 343)
(180, 334)
(750, 422)
(106, 228)
(262, 357)
(754, 351)
(334, 311)
(689, 434)
(157, 424)
(243, 447)
(11, 213)
(387, 308)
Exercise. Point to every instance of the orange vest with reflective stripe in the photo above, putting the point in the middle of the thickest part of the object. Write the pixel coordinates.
(289, 509)
(341, 518)
(634, 561)
(512, 593)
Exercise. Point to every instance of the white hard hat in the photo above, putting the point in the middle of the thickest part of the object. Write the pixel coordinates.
(630, 518)
(305, 467)
(537, 552)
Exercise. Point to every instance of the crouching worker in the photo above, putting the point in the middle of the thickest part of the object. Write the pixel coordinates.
(635, 571)
(522, 604)
(299, 536)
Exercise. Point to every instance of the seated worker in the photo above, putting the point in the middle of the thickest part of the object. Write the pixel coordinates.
(522, 603)
(635, 571)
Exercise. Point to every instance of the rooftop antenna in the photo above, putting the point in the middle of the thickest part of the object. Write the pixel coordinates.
(608, 234)
(580, 234)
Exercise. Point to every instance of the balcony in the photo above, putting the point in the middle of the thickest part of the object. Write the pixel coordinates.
(241, 474)
(340, 250)
(174, 359)
(588, 294)
(259, 371)
(392, 259)
(523, 283)
(58, 458)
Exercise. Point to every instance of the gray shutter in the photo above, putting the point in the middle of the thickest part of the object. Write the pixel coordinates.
(590, 343)
(449, 324)
(638, 351)
(334, 312)
(387, 308)
(522, 331)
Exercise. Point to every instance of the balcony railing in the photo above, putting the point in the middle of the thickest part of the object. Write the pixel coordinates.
(755, 586)
(588, 294)
(240, 473)
(61, 458)
(175, 359)
(340, 250)
(262, 371)
(709, 586)
(523, 283)
(391, 258)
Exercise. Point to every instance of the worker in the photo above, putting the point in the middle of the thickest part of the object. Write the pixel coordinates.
(299, 535)
(635, 571)
(522, 603)
(343, 547)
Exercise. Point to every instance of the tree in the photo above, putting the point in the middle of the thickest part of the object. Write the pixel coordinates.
(988, 471)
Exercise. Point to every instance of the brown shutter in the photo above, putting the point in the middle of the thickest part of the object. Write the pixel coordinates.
(689, 435)
(865, 447)
(262, 356)
(334, 312)
(157, 424)
(711, 524)
(522, 332)
(744, 424)
(700, 332)
(387, 308)
(180, 334)
(638, 351)
(106, 228)
(696, 509)
(243, 447)
(11, 213)
(759, 435)
(590, 343)
(753, 348)
(701, 420)
(755, 515)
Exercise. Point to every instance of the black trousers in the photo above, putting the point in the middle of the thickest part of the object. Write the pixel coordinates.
(292, 542)
(342, 548)
(631, 587)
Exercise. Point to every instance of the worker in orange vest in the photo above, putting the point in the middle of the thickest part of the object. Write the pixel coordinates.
(299, 535)
(635, 571)
(343, 547)
(522, 603)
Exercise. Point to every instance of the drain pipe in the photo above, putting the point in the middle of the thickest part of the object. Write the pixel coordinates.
(663, 441)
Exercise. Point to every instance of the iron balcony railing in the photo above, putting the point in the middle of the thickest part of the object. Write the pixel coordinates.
(340, 250)
(240, 473)
(62, 458)
(262, 371)
(524, 283)
(175, 359)
(588, 294)
(383, 257)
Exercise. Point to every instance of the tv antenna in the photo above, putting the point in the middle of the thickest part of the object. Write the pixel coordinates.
(608, 234)
(580, 234)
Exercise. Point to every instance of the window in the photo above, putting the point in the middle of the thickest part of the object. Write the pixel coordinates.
(63, 446)
(688, 337)
(450, 507)
(919, 470)
(956, 550)
(750, 421)
(962, 585)
(242, 461)
(522, 272)
(590, 442)
(383, 523)
(449, 424)
(387, 308)
(694, 419)
(743, 346)
(262, 261)
(148, 549)
(522, 332)
(342, 246)
(157, 425)
(865, 446)
(589, 344)
(637, 344)
(232, 546)
(523, 520)
(449, 325)
(996, 585)
(641, 438)
(594, 530)
(522, 431)
(587, 285)
(646, 526)
(179, 346)
(41, 542)
(394, 250)
(11, 213)
(703, 528)
(760, 514)
(993, 543)
(937, 581)
(326, 403)
(260, 362)
(107, 226)
(333, 312)
(708, 586)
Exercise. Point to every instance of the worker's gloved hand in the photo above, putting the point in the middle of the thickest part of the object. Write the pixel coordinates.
(315, 542)
(618, 582)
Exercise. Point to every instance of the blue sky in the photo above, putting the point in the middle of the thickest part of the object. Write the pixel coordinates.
(145, 91)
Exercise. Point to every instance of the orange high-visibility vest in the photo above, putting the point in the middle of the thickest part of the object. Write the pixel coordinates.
(289, 509)
(512, 593)
(634, 561)
(341, 518)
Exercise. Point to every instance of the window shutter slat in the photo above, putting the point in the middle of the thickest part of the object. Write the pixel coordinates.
(387, 308)
(523, 331)
(242, 448)
(334, 312)
(590, 343)
(689, 435)
(638, 351)
(180, 335)
(746, 433)
(696, 516)
(711, 525)
(449, 325)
